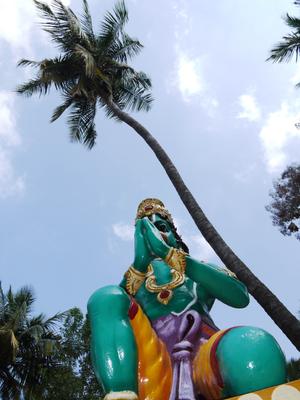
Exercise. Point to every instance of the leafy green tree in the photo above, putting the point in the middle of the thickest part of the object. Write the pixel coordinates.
(26, 343)
(92, 71)
(73, 377)
(285, 204)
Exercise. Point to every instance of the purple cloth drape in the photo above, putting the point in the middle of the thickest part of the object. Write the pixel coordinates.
(182, 336)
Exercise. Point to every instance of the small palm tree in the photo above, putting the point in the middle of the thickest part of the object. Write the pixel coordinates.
(26, 344)
(92, 70)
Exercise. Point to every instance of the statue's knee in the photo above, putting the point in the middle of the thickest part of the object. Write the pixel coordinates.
(108, 300)
(250, 358)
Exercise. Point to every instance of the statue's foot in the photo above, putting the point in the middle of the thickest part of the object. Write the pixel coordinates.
(123, 395)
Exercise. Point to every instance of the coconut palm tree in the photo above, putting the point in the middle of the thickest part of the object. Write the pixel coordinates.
(92, 71)
(26, 343)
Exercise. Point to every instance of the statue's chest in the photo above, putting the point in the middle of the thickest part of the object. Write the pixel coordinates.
(164, 290)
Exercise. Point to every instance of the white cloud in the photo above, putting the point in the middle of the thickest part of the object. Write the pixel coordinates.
(10, 183)
(188, 79)
(18, 18)
(189, 76)
(250, 109)
(123, 231)
(277, 132)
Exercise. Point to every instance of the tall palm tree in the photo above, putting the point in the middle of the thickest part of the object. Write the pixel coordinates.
(26, 343)
(92, 70)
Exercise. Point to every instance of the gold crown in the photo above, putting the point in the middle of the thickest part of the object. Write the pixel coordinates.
(153, 206)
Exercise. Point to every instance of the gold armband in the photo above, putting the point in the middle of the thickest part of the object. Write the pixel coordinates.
(176, 259)
(134, 280)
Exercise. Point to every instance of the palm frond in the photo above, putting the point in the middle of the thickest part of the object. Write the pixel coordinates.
(58, 111)
(285, 49)
(293, 22)
(81, 121)
(134, 99)
(112, 25)
(87, 23)
(34, 86)
(34, 331)
(25, 295)
(88, 60)
(62, 24)
(51, 323)
(25, 63)
(124, 49)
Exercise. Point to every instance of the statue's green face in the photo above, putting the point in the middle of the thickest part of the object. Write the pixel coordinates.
(165, 229)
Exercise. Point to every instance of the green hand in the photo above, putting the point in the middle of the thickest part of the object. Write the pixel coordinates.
(159, 248)
(142, 255)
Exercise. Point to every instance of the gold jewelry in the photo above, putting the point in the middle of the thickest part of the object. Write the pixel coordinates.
(134, 280)
(164, 291)
(153, 206)
(176, 259)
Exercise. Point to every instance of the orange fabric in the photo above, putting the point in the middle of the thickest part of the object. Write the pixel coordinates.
(205, 371)
(154, 365)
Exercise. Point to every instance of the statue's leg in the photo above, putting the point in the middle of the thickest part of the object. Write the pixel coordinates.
(113, 346)
(249, 359)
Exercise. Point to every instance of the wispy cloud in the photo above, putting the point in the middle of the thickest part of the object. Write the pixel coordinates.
(17, 22)
(123, 231)
(250, 108)
(10, 183)
(188, 79)
(188, 76)
(278, 131)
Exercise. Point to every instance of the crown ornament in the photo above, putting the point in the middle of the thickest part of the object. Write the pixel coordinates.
(151, 206)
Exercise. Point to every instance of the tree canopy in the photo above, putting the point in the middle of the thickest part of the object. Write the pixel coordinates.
(90, 68)
(26, 344)
(285, 204)
(43, 358)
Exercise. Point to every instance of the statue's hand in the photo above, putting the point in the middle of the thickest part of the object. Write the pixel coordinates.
(142, 254)
(156, 243)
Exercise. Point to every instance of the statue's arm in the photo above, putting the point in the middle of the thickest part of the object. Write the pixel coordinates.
(136, 273)
(219, 283)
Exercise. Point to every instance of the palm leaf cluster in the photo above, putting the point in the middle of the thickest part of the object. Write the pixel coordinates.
(290, 43)
(26, 343)
(90, 69)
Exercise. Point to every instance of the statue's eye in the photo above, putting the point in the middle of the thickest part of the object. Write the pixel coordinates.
(162, 227)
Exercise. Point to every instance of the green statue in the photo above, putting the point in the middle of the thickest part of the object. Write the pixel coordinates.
(153, 337)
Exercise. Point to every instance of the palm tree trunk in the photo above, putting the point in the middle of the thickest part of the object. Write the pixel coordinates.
(282, 317)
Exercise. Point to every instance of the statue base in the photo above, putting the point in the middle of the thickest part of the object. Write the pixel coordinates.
(287, 391)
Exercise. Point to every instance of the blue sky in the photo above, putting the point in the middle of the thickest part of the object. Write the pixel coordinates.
(225, 116)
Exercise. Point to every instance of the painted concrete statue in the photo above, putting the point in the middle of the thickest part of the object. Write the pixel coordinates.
(153, 337)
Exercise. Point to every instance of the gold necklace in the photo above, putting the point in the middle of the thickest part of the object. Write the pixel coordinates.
(164, 292)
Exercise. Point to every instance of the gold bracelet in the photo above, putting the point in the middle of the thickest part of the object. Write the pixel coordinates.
(176, 259)
(134, 280)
